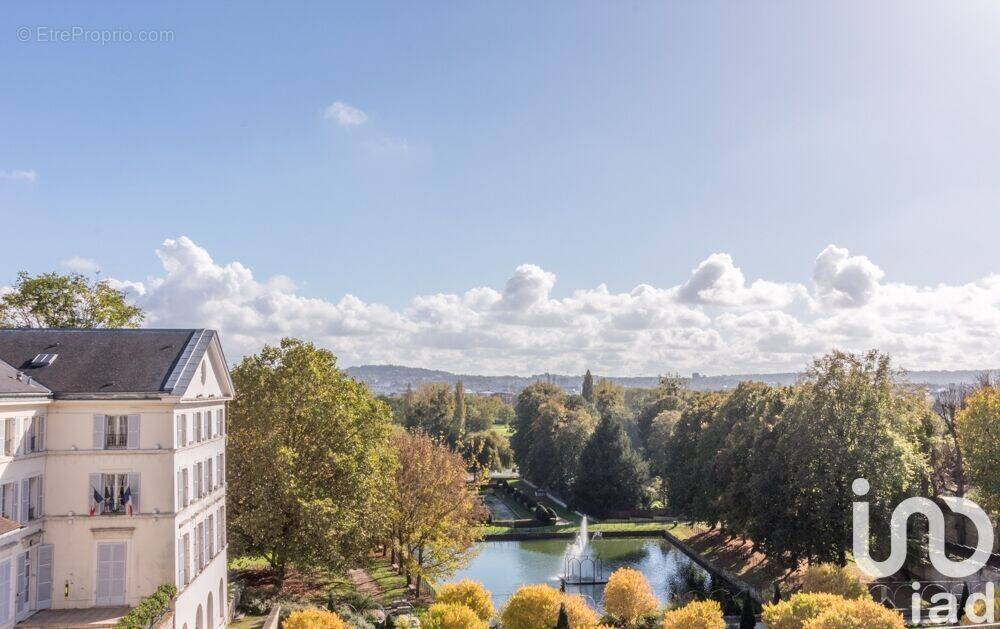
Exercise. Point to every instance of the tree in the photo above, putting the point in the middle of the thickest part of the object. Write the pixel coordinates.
(534, 606)
(980, 439)
(563, 621)
(611, 475)
(436, 515)
(313, 618)
(469, 593)
(53, 300)
(452, 616)
(696, 615)
(482, 411)
(459, 408)
(432, 410)
(487, 451)
(309, 464)
(628, 596)
(588, 386)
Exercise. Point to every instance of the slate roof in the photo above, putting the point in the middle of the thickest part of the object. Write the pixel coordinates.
(15, 383)
(107, 361)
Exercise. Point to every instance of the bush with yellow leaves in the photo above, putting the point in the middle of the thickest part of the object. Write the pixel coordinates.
(313, 618)
(535, 606)
(979, 609)
(469, 593)
(828, 578)
(793, 613)
(855, 614)
(628, 596)
(696, 615)
(451, 616)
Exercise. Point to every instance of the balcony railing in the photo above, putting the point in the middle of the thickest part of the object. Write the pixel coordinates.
(115, 440)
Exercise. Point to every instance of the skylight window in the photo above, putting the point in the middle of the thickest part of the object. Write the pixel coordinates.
(43, 360)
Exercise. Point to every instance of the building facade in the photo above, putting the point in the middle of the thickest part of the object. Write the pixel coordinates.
(112, 471)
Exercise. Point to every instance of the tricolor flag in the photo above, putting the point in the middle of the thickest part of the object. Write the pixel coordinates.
(127, 499)
(98, 499)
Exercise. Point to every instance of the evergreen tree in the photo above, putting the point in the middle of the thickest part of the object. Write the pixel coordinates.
(588, 386)
(563, 622)
(747, 618)
(611, 475)
(460, 408)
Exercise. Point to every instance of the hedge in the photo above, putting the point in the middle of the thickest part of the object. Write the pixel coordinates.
(149, 609)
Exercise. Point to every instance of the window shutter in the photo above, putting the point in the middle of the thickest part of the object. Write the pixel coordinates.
(19, 436)
(180, 563)
(22, 586)
(98, 432)
(180, 492)
(25, 487)
(133, 432)
(15, 504)
(5, 591)
(95, 486)
(177, 438)
(43, 572)
(41, 433)
(197, 481)
(133, 484)
(222, 520)
(39, 511)
(218, 531)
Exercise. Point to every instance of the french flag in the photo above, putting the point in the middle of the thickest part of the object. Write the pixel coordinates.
(127, 500)
(98, 499)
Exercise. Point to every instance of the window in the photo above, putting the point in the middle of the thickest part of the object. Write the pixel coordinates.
(208, 424)
(210, 536)
(218, 422)
(117, 494)
(220, 469)
(10, 428)
(34, 434)
(34, 497)
(219, 536)
(197, 427)
(115, 431)
(8, 498)
(187, 560)
(184, 487)
(199, 537)
(182, 431)
(198, 476)
(209, 477)
(5, 591)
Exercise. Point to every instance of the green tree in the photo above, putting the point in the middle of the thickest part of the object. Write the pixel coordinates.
(482, 411)
(432, 410)
(459, 408)
(978, 427)
(310, 467)
(487, 450)
(611, 476)
(588, 386)
(53, 300)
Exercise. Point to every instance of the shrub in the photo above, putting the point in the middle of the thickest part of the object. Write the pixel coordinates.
(148, 609)
(535, 606)
(697, 615)
(469, 593)
(628, 596)
(855, 614)
(796, 611)
(452, 616)
(313, 618)
(405, 621)
(829, 578)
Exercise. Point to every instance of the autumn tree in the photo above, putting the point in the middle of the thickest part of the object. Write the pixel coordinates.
(487, 451)
(459, 408)
(436, 514)
(588, 386)
(309, 466)
(482, 411)
(431, 409)
(53, 300)
(979, 433)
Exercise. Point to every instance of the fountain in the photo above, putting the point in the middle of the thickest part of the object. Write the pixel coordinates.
(580, 566)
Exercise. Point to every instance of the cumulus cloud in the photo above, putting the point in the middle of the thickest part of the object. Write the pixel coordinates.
(25, 176)
(77, 264)
(716, 322)
(345, 115)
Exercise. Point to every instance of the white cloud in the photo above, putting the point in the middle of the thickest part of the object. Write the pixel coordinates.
(345, 115)
(715, 322)
(25, 176)
(77, 264)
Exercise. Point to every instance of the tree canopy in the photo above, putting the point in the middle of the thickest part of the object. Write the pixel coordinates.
(612, 476)
(54, 300)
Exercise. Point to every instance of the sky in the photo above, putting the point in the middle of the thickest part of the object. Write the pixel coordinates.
(631, 187)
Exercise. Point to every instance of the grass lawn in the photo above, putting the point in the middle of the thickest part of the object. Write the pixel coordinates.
(248, 622)
(503, 429)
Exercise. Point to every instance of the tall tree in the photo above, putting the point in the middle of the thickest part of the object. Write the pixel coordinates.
(588, 386)
(460, 408)
(310, 467)
(436, 513)
(978, 426)
(53, 300)
(611, 476)
(432, 410)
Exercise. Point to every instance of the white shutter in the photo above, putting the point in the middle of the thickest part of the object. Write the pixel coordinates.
(177, 429)
(133, 484)
(15, 503)
(41, 433)
(5, 593)
(133, 432)
(39, 510)
(43, 576)
(25, 500)
(99, 432)
(19, 436)
(220, 525)
(95, 485)
(180, 492)
(22, 586)
(180, 563)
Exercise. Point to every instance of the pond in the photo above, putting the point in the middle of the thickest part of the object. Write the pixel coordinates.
(503, 567)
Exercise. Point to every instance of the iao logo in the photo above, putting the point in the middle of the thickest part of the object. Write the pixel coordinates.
(936, 549)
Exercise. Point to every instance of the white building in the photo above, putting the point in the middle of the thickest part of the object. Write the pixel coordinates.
(112, 472)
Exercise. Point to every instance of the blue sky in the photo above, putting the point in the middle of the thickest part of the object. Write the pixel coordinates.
(606, 143)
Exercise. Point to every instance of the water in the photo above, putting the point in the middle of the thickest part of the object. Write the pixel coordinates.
(503, 567)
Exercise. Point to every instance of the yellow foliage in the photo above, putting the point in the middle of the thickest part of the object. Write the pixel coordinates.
(793, 613)
(535, 606)
(829, 578)
(313, 618)
(628, 596)
(452, 616)
(469, 593)
(854, 614)
(979, 608)
(697, 615)
(980, 441)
